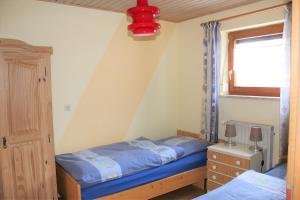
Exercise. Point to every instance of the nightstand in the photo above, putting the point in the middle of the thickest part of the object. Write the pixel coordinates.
(225, 163)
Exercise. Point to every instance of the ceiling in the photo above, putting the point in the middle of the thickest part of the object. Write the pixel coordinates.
(171, 10)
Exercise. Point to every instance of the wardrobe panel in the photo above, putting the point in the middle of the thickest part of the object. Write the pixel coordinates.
(24, 97)
(28, 178)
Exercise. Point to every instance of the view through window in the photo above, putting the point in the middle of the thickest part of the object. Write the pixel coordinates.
(256, 58)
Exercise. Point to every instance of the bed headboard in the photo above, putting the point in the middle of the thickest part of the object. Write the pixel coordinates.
(197, 136)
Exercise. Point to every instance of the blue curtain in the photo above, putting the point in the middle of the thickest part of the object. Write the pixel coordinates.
(285, 85)
(210, 102)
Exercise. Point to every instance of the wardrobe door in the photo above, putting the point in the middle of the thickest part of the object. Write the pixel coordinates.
(23, 127)
(3, 120)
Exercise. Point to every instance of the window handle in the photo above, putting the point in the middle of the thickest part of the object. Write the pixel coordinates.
(230, 73)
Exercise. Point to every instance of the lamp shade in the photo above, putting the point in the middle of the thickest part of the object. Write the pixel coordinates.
(230, 130)
(143, 17)
(256, 134)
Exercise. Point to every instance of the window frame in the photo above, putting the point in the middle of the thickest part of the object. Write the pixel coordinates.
(243, 34)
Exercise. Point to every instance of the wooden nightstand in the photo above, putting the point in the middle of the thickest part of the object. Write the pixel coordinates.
(225, 163)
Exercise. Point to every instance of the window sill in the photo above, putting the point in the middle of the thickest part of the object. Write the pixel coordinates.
(249, 97)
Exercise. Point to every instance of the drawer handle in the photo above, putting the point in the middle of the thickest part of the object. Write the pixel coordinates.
(237, 173)
(214, 177)
(238, 162)
(214, 167)
(214, 156)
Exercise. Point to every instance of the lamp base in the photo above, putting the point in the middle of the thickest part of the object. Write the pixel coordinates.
(255, 148)
(229, 143)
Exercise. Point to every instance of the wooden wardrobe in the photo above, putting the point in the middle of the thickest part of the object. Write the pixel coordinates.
(27, 160)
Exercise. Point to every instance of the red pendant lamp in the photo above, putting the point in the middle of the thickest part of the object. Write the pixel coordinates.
(143, 17)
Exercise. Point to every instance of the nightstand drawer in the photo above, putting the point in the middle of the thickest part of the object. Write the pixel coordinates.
(218, 177)
(231, 160)
(212, 185)
(223, 169)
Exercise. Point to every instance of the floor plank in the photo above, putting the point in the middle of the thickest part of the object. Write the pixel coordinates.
(185, 193)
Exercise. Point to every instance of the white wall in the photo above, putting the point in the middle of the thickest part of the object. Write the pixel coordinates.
(191, 73)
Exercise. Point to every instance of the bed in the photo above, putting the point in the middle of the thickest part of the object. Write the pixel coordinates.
(145, 184)
(252, 185)
(279, 171)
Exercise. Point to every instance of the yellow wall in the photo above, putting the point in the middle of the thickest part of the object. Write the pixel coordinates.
(191, 75)
(120, 88)
(107, 78)
(114, 93)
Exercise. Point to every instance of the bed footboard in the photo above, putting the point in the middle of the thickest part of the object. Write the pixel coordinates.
(70, 189)
(162, 186)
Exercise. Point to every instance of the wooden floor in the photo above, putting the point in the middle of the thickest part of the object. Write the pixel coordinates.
(185, 193)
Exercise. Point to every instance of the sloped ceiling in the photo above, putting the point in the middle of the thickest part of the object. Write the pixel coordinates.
(171, 10)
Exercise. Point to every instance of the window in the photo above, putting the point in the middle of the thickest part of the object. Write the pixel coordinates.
(255, 60)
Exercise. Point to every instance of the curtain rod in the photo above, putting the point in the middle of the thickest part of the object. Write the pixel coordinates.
(251, 12)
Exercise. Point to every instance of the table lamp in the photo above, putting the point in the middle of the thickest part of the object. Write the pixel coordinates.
(230, 132)
(255, 136)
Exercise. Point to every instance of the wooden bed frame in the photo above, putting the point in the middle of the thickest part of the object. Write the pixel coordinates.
(70, 189)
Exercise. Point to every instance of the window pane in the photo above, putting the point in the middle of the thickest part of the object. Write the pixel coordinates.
(258, 61)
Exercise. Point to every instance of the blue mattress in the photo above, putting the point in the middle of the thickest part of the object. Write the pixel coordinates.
(184, 164)
(278, 171)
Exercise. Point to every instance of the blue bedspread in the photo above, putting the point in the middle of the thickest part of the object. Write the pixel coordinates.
(250, 185)
(190, 145)
(278, 171)
(104, 163)
(127, 182)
